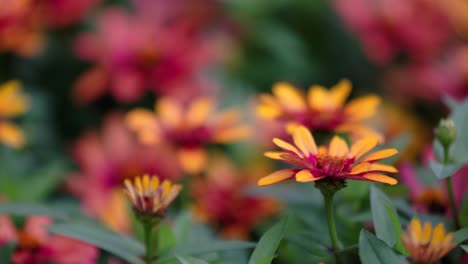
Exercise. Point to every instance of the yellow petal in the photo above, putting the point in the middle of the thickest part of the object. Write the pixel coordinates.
(360, 168)
(304, 140)
(192, 160)
(142, 120)
(275, 177)
(199, 111)
(154, 183)
(362, 146)
(380, 178)
(232, 134)
(338, 147)
(286, 146)
(362, 107)
(11, 135)
(439, 234)
(379, 155)
(415, 230)
(12, 101)
(426, 233)
(288, 97)
(306, 176)
(382, 167)
(318, 98)
(169, 112)
(276, 155)
(339, 93)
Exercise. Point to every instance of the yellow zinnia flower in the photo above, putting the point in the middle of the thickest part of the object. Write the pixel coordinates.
(12, 104)
(426, 244)
(188, 127)
(149, 195)
(321, 109)
(337, 162)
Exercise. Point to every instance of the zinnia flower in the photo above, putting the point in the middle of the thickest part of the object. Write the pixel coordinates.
(105, 160)
(35, 245)
(426, 244)
(149, 195)
(188, 127)
(321, 110)
(12, 104)
(337, 162)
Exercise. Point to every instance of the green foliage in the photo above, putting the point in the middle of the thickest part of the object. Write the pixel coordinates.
(29, 208)
(117, 244)
(6, 251)
(265, 250)
(443, 171)
(375, 251)
(385, 219)
(165, 238)
(190, 260)
(461, 235)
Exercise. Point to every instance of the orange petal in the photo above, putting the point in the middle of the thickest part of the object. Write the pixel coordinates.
(275, 177)
(380, 178)
(232, 134)
(144, 123)
(288, 97)
(362, 107)
(362, 146)
(379, 155)
(318, 98)
(360, 168)
(306, 176)
(275, 154)
(382, 168)
(169, 111)
(286, 146)
(192, 160)
(338, 147)
(199, 111)
(304, 140)
(12, 101)
(11, 135)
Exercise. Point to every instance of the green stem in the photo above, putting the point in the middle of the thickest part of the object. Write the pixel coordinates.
(148, 230)
(328, 197)
(448, 183)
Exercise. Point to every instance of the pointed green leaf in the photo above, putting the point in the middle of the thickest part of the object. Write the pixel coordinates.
(29, 208)
(265, 250)
(374, 251)
(461, 235)
(385, 219)
(443, 171)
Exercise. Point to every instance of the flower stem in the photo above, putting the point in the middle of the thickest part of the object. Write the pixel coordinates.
(448, 183)
(148, 230)
(328, 197)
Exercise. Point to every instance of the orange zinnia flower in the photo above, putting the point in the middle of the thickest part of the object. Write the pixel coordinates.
(321, 109)
(425, 244)
(337, 162)
(188, 128)
(12, 104)
(149, 196)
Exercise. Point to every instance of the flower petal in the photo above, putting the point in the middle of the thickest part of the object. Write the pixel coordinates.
(199, 111)
(362, 108)
(276, 176)
(304, 140)
(169, 111)
(380, 178)
(11, 135)
(379, 155)
(362, 146)
(286, 146)
(192, 160)
(338, 147)
(306, 176)
(268, 108)
(276, 155)
(382, 168)
(339, 93)
(318, 97)
(290, 98)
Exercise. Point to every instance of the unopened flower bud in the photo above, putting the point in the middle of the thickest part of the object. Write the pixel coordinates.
(446, 132)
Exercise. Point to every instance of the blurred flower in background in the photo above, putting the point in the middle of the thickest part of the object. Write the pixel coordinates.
(220, 197)
(321, 110)
(35, 245)
(12, 104)
(105, 160)
(154, 48)
(188, 127)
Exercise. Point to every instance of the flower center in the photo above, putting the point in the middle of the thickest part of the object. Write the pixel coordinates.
(332, 165)
(433, 199)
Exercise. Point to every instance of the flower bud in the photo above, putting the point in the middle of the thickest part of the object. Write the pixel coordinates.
(446, 132)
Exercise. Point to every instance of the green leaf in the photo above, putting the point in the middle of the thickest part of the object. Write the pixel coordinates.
(190, 260)
(443, 171)
(165, 238)
(374, 251)
(465, 248)
(461, 235)
(309, 244)
(117, 244)
(207, 247)
(29, 208)
(265, 250)
(385, 219)
(39, 185)
(6, 251)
